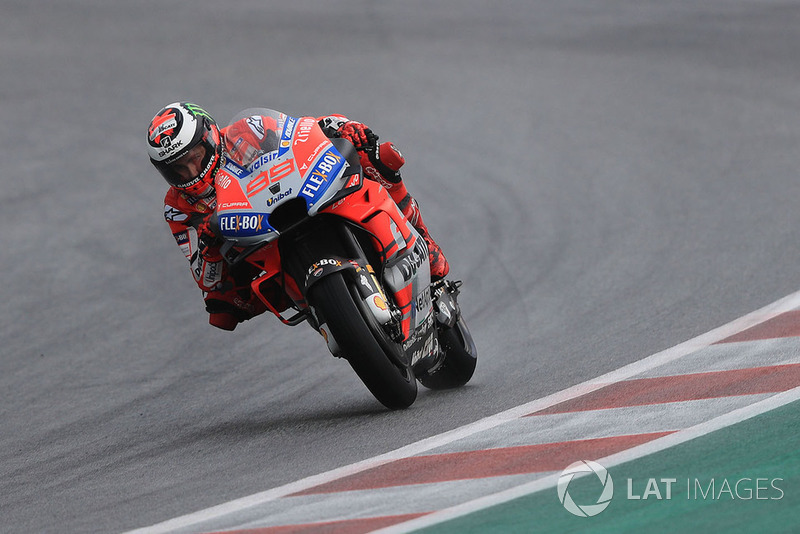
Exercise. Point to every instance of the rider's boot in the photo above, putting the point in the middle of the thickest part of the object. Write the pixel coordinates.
(409, 207)
(385, 168)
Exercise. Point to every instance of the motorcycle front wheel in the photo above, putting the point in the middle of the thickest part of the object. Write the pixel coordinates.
(379, 361)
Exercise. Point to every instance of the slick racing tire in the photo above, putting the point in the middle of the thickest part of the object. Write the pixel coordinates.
(379, 361)
(460, 359)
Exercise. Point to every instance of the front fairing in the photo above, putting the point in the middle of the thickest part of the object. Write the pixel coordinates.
(304, 165)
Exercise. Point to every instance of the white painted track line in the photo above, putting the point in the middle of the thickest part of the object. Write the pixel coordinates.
(633, 453)
(644, 366)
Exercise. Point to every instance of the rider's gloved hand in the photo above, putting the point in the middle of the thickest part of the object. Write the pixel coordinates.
(209, 240)
(380, 161)
(358, 134)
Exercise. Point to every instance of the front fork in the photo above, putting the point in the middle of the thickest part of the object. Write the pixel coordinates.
(368, 289)
(361, 272)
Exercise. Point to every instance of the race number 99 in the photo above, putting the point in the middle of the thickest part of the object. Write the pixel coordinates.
(270, 176)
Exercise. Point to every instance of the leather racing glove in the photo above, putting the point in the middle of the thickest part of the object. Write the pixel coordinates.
(358, 134)
(209, 239)
(382, 161)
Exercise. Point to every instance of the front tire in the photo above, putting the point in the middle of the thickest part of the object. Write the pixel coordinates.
(379, 361)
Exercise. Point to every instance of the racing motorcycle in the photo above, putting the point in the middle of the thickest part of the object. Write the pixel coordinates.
(345, 259)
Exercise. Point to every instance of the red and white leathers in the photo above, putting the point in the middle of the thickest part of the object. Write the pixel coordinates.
(227, 293)
(383, 166)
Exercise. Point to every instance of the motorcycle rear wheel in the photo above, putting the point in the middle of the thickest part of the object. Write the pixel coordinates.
(461, 356)
(380, 362)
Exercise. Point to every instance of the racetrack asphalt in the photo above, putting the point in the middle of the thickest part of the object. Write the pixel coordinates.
(608, 178)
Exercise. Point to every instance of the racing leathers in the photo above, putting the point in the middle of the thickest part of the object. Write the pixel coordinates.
(227, 293)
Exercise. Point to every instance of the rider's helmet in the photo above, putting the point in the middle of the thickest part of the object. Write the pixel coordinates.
(173, 133)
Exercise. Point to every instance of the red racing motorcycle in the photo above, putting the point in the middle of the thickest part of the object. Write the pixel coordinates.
(345, 260)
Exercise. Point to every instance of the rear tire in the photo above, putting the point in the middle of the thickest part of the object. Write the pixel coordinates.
(379, 361)
(461, 357)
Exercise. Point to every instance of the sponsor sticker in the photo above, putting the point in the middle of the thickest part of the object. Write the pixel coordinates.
(277, 198)
(234, 205)
(244, 224)
(174, 214)
(322, 263)
(256, 126)
(182, 238)
(233, 169)
(320, 176)
(286, 136)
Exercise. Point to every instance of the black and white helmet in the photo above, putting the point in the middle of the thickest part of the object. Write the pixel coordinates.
(173, 133)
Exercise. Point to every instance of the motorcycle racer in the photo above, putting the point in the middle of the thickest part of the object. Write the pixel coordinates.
(187, 147)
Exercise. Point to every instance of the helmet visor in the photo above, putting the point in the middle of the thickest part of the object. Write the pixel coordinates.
(191, 166)
(188, 167)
